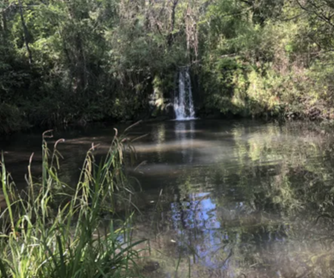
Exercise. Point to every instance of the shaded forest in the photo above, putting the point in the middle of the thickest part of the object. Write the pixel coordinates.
(76, 61)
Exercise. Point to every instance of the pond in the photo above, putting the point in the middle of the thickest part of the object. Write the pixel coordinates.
(219, 198)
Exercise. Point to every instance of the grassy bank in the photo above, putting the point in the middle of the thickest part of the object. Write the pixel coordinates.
(51, 229)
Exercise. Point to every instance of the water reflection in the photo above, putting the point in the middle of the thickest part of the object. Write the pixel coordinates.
(159, 137)
(246, 203)
(184, 134)
(240, 199)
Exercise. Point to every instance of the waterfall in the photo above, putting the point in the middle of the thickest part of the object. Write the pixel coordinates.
(183, 102)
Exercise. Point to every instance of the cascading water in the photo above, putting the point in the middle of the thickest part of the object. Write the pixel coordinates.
(183, 102)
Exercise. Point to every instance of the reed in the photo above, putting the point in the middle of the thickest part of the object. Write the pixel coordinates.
(49, 231)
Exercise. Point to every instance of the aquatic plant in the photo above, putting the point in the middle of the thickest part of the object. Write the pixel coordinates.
(52, 230)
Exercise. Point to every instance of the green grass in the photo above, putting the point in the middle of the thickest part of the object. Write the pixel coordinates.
(53, 230)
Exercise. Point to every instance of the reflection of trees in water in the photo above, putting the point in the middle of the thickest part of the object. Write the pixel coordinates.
(296, 190)
(271, 214)
(159, 137)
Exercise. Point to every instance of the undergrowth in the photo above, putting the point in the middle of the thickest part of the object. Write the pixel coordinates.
(50, 229)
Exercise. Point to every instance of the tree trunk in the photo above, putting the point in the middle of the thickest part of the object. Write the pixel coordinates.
(170, 37)
(173, 15)
(4, 20)
(25, 32)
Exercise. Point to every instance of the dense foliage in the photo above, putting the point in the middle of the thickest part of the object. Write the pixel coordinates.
(84, 60)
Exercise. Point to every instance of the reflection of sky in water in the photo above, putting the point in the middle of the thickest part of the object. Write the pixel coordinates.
(217, 210)
(199, 215)
(219, 181)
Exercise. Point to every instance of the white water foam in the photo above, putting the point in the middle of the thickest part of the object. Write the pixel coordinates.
(183, 102)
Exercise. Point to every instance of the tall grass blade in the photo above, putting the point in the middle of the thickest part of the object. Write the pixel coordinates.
(56, 234)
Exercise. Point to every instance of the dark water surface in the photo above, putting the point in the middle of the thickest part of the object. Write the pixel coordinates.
(220, 199)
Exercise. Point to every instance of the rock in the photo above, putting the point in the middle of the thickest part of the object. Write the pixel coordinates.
(151, 266)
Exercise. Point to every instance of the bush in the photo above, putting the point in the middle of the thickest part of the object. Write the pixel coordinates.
(11, 118)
